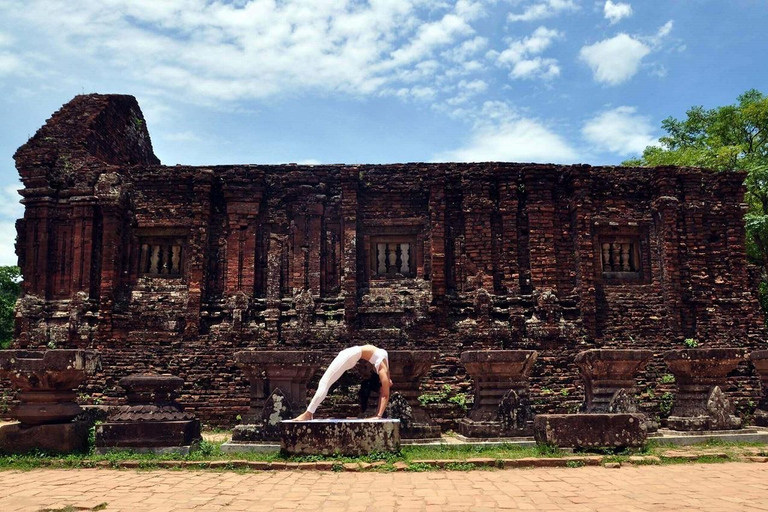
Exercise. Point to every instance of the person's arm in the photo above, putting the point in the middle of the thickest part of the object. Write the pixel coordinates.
(383, 392)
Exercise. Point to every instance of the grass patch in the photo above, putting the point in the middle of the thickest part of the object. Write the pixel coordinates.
(456, 455)
(70, 508)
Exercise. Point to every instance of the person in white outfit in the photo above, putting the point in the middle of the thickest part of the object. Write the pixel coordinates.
(346, 360)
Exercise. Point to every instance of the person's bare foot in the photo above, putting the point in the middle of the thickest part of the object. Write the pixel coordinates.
(305, 416)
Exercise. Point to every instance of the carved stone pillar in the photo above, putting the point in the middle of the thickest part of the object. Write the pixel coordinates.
(700, 403)
(502, 405)
(47, 401)
(609, 378)
(407, 369)
(152, 422)
(278, 390)
(759, 359)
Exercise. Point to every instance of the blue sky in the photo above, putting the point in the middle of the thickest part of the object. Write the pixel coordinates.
(353, 81)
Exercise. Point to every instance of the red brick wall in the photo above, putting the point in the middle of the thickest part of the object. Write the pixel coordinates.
(280, 257)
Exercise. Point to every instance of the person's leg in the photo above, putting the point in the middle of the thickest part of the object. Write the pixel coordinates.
(346, 360)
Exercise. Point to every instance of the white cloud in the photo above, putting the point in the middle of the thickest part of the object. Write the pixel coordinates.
(615, 12)
(187, 136)
(214, 52)
(622, 131)
(5, 39)
(10, 210)
(663, 32)
(499, 134)
(418, 92)
(544, 9)
(521, 56)
(616, 60)
(466, 90)
(9, 63)
(10, 201)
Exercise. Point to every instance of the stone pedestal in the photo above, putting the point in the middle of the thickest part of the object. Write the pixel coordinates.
(590, 430)
(609, 378)
(700, 404)
(152, 422)
(502, 405)
(407, 369)
(278, 390)
(342, 437)
(47, 399)
(759, 359)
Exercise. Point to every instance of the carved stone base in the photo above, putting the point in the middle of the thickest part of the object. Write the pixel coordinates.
(147, 434)
(265, 426)
(56, 438)
(410, 426)
(698, 423)
(344, 437)
(761, 418)
(590, 430)
(715, 414)
(491, 429)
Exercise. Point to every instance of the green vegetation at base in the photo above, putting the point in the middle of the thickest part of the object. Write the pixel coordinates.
(446, 395)
(10, 289)
(410, 458)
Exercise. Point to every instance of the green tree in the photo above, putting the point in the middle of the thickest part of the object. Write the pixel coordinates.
(10, 289)
(733, 137)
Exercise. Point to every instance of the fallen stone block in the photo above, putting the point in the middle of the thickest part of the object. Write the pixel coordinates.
(344, 437)
(590, 430)
(54, 438)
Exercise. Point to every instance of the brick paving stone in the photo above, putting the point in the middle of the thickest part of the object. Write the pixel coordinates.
(701, 487)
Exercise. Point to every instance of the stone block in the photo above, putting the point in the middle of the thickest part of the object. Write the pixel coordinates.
(148, 434)
(590, 430)
(56, 438)
(344, 437)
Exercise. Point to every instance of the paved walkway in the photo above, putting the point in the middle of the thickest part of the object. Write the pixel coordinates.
(710, 487)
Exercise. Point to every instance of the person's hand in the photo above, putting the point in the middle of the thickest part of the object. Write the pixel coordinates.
(374, 418)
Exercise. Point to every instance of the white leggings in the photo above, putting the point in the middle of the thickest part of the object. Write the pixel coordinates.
(346, 360)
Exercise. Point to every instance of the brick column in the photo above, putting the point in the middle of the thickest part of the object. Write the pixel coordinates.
(240, 267)
(508, 262)
(315, 218)
(583, 210)
(349, 241)
(477, 207)
(37, 215)
(541, 226)
(437, 229)
(111, 195)
(83, 213)
(197, 248)
(666, 216)
(111, 257)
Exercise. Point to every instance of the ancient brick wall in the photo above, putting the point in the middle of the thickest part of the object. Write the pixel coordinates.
(177, 268)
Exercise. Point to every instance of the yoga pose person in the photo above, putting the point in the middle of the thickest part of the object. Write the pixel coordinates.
(346, 360)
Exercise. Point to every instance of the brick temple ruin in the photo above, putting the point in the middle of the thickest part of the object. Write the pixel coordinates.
(176, 268)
